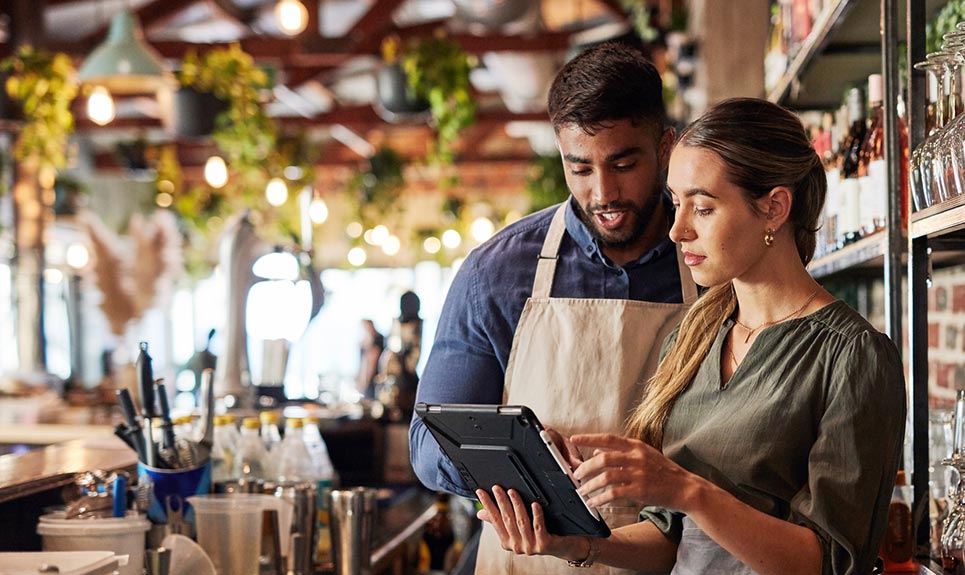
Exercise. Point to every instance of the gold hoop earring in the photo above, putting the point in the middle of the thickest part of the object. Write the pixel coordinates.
(768, 237)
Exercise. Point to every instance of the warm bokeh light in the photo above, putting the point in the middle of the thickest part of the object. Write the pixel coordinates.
(77, 256)
(511, 217)
(380, 234)
(451, 239)
(216, 172)
(356, 256)
(318, 211)
(164, 200)
(276, 192)
(353, 230)
(482, 229)
(100, 106)
(391, 246)
(291, 17)
(432, 245)
(53, 276)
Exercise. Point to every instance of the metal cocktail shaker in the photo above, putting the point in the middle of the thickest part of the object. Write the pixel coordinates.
(352, 513)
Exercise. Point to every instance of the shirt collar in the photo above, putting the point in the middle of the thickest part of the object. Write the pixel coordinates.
(589, 245)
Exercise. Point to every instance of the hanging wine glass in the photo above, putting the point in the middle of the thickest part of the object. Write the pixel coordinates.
(950, 143)
(924, 189)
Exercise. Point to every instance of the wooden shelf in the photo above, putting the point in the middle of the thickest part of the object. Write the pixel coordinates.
(830, 19)
(865, 253)
(939, 219)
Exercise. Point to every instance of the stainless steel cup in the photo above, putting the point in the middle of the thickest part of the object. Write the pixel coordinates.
(300, 547)
(352, 514)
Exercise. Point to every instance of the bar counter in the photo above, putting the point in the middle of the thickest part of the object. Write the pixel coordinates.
(32, 480)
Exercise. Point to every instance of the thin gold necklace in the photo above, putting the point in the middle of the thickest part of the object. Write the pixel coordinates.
(750, 331)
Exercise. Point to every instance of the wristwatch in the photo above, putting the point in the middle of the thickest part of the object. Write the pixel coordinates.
(591, 555)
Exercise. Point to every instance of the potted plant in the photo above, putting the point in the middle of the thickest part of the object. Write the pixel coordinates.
(374, 190)
(546, 182)
(243, 131)
(44, 86)
(396, 99)
(437, 69)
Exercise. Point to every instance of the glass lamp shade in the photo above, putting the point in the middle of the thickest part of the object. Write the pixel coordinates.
(124, 63)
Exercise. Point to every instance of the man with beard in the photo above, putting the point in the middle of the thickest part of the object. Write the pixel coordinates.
(565, 310)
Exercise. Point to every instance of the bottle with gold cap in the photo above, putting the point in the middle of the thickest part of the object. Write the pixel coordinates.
(271, 438)
(249, 464)
(222, 455)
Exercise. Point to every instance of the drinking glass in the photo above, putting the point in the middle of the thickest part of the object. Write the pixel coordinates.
(924, 188)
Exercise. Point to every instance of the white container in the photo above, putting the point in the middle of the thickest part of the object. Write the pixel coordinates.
(68, 562)
(122, 535)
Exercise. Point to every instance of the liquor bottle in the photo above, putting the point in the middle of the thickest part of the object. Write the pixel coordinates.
(872, 167)
(326, 477)
(827, 148)
(898, 545)
(271, 437)
(294, 461)
(849, 218)
(249, 464)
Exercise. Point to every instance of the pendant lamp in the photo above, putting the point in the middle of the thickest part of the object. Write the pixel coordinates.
(124, 63)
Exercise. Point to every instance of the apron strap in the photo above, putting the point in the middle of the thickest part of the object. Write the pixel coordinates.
(687, 286)
(546, 266)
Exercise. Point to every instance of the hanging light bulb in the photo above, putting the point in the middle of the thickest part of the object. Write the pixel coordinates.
(451, 239)
(482, 229)
(291, 17)
(432, 245)
(356, 256)
(276, 192)
(391, 245)
(318, 211)
(100, 106)
(216, 172)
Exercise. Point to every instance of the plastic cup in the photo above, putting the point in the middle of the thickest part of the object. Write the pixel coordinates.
(121, 535)
(229, 530)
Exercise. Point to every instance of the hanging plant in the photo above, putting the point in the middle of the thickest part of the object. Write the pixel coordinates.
(44, 84)
(944, 22)
(244, 132)
(546, 183)
(374, 190)
(438, 70)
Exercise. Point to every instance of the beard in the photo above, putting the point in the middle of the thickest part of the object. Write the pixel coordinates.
(641, 216)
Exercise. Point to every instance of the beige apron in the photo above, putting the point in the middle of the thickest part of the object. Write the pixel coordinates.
(580, 364)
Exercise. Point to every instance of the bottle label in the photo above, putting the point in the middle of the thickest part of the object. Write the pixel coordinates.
(832, 202)
(849, 216)
(867, 193)
(878, 174)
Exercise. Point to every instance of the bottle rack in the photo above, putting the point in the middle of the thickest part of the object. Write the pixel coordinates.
(845, 46)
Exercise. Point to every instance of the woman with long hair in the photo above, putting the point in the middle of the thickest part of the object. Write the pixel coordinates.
(769, 437)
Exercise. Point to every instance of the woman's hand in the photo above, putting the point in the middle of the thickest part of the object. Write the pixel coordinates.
(629, 468)
(566, 447)
(508, 516)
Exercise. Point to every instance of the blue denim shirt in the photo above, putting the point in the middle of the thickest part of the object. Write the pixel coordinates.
(468, 360)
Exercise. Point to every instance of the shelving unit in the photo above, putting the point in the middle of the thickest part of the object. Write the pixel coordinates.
(849, 41)
(867, 254)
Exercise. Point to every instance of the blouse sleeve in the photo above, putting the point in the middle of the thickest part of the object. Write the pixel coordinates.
(853, 462)
(670, 523)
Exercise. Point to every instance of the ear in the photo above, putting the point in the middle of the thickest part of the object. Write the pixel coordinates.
(776, 206)
(667, 140)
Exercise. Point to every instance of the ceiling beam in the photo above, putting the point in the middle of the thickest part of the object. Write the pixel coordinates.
(150, 14)
(355, 116)
(375, 21)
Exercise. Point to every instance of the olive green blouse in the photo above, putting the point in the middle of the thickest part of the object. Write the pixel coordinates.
(809, 429)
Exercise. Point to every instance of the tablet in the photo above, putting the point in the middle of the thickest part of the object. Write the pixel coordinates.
(505, 445)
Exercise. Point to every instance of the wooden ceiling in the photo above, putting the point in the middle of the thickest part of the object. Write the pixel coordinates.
(327, 72)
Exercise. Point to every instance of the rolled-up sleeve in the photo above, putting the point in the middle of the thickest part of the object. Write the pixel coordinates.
(462, 368)
(853, 462)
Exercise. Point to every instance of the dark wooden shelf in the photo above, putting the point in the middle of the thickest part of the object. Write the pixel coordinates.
(866, 253)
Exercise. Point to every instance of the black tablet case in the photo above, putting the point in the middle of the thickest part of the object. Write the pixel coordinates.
(500, 445)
